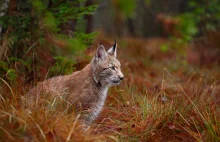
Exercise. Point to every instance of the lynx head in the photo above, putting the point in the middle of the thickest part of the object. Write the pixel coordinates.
(106, 68)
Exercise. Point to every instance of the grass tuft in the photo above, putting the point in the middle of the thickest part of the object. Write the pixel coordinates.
(155, 102)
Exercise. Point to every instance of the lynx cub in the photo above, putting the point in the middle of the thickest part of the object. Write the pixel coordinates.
(86, 89)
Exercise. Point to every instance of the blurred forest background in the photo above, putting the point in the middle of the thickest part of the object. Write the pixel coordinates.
(37, 31)
(169, 51)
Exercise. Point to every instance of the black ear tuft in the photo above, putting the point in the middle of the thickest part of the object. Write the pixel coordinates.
(113, 50)
(115, 45)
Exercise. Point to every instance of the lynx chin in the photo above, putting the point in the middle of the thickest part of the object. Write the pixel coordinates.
(86, 89)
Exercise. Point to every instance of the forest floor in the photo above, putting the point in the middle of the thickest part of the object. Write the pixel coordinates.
(169, 93)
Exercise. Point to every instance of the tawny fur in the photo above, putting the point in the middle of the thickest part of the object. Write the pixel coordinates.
(86, 89)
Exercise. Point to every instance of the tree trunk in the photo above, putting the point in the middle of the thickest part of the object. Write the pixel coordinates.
(89, 17)
(3, 9)
(12, 8)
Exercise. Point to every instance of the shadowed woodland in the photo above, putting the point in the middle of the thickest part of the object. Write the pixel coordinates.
(169, 53)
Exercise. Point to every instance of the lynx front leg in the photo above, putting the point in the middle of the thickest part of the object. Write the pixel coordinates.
(93, 113)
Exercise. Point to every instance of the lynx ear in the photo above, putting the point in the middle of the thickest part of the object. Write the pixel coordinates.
(100, 53)
(112, 51)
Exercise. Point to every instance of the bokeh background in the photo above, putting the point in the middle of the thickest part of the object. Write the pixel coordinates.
(170, 55)
(55, 28)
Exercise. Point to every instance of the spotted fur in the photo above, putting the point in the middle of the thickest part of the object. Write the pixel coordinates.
(86, 89)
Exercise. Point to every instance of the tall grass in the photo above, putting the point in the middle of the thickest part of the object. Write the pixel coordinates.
(164, 106)
(129, 115)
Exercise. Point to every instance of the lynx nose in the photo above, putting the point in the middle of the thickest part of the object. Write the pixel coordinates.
(121, 77)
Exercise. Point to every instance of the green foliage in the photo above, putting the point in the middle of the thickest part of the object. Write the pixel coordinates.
(39, 6)
(164, 48)
(204, 16)
(62, 65)
(127, 7)
(188, 27)
(86, 38)
(147, 2)
(9, 71)
(50, 23)
(38, 24)
(71, 10)
(11, 75)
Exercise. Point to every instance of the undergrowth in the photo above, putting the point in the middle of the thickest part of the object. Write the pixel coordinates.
(152, 104)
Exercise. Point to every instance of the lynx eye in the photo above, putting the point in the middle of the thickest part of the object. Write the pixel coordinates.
(113, 68)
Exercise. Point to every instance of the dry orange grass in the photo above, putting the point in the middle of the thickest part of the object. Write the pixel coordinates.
(159, 100)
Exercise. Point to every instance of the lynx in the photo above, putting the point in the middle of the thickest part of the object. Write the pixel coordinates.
(86, 89)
